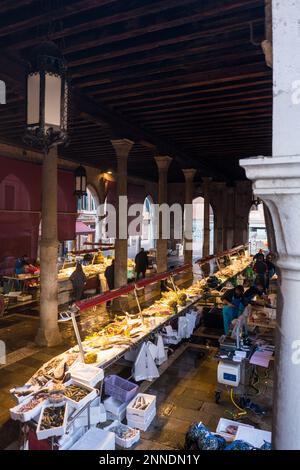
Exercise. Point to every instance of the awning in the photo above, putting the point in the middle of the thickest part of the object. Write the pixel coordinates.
(81, 228)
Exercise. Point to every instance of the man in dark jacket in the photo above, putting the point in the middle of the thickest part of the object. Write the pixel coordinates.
(78, 279)
(261, 270)
(110, 275)
(141, 263)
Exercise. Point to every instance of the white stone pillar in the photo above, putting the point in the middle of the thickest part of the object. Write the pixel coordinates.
(206, 217)
(48, 333)
(163, 163)
(228, 241)
(277, 181)
(219, 217)
(188, 214)
(122, 148)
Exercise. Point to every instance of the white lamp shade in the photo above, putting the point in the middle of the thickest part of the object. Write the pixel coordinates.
(33, 99)
(52, 101)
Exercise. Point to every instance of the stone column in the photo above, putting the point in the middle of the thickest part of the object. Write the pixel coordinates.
(277, 181)
(219, 217)
(102, 193)
(206, 218)
(228, 239)
(270, 230)
(163, 163)
(188, 214)
(48, 333)
(122, 148)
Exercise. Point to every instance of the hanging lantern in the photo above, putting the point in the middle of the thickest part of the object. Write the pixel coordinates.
(47, 98)
(80, 181)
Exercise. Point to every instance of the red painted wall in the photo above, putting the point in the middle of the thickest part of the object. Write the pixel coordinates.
(20, 209)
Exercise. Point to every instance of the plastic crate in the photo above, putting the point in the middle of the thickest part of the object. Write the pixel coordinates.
(120, 389)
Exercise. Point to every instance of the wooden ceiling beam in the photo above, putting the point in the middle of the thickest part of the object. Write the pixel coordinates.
(238, 21)
(265, 98)
(185, 81)
(155, 57)
(154, 47)
(148, 100)
(183, 66)
(75, 7)
(215, 99)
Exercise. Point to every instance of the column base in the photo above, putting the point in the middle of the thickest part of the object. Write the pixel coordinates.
(48, 337)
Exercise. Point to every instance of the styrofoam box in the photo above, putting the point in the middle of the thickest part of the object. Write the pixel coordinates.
(115, 408)
(89, 397)
(22, 398)
(58, 431)
(97, 415)
(253, 436)
(95, 439)
(125, 443)
(139, 423)
(224, 423)
(68, 439)
(86, 374)
(112, 416)
(16, 415)
(132, 412)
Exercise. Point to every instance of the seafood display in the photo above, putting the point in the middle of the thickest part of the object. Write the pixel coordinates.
(52, 390)
(53, 417)
(56, 369)
(124, 432)
(140, 403)
(30, 405)
(75, 392)
(91, 269)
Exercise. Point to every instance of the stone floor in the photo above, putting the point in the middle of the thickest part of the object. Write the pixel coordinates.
(185, 395)
(185, 392)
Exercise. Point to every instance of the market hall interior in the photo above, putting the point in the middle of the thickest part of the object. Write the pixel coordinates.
(159, 103)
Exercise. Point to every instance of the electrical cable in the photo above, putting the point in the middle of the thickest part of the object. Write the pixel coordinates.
(242, 412)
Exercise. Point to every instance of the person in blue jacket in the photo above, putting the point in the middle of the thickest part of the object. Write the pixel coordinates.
(234, 303)
(20, 264)
(257, 290)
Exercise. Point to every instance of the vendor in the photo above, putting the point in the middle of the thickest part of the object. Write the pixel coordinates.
(261, 270)
(141, 263)
(21, 264)
(110, 278)
(259, 254)
(234, 304)
(78, 279)
(257, 290)
(271, 269)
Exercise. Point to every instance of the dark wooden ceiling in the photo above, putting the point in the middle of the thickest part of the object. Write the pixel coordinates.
(180, 77)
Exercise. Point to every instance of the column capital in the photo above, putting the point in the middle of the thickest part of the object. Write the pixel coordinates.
(276, 180)
(163, 162)
(122, 146)
(189, 173)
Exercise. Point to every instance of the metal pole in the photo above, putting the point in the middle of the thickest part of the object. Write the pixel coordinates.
(138, 304)
(173, 283)
(77, 334)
